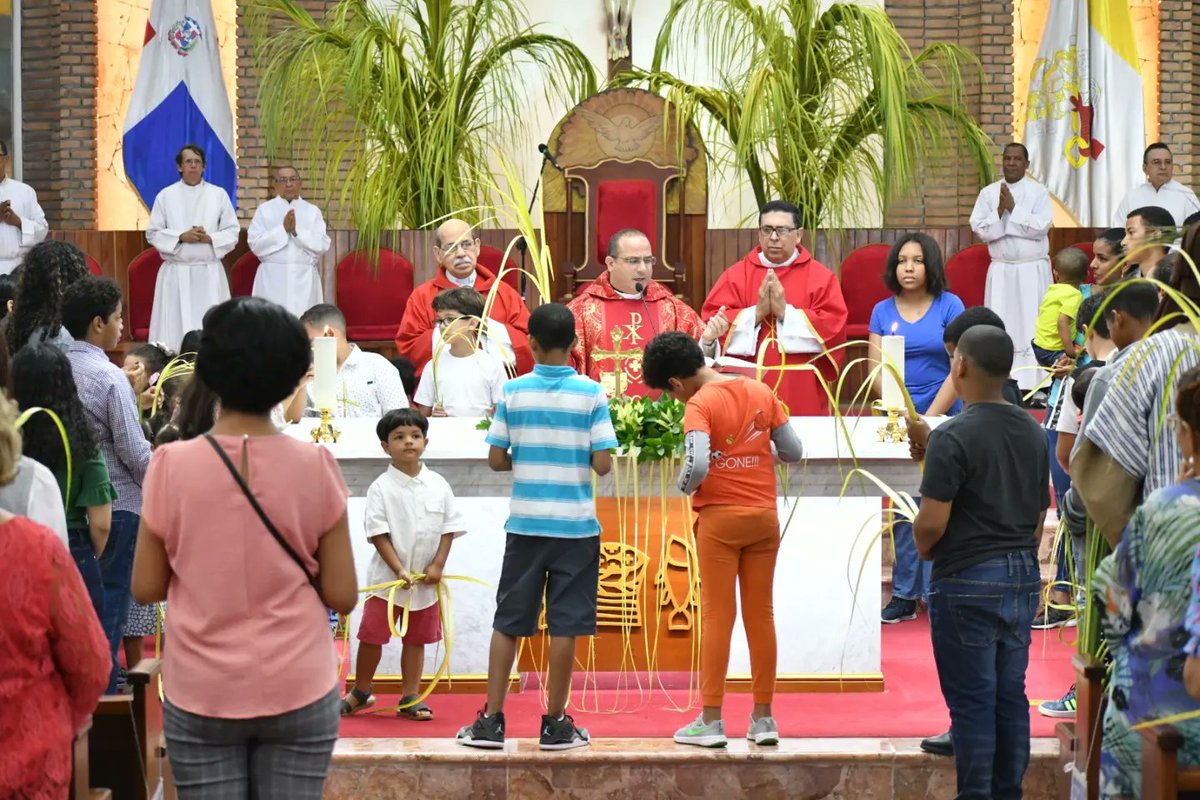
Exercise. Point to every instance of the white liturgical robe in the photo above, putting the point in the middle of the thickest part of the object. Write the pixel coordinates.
(1019, 244)
(287, 273)
(192, 279)
(14, 241)
(1172, 196)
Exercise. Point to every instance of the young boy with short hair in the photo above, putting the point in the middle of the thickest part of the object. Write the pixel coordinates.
(463, 379)
(411, 519)
(984, 495)
(730, 425)
(552, 429)
(1054, 334)
(1148, 233)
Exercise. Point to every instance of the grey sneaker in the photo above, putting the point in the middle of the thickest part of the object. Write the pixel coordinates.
(702, 734)
(763, 731)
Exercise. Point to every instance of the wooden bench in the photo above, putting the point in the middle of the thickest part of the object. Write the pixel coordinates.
(1162, 779)
(81, 783)
(126, 747)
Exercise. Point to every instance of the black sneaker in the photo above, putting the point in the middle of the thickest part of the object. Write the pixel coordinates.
(1049, 618)
(561, 734)
(484, 732)
(898, 610)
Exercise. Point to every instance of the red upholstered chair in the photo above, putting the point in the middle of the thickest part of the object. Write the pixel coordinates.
(143, 275)
(93, 266)
(241, 279)
(373, 296)
(863, 286)
(622, 204)
(966, 274)
(490, 259)
(1086, 247)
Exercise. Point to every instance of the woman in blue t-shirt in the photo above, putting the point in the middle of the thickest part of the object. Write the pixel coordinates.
(919, 310)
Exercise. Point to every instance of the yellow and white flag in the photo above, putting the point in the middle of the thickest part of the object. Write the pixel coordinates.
(1085, 131)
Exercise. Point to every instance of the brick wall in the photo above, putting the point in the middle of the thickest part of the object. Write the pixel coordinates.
(58, 83)
(1179, 110)
(948, 187)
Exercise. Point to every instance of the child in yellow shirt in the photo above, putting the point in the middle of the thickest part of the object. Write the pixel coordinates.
(1054, 335)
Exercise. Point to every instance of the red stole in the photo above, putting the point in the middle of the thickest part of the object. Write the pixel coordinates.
(615, 332)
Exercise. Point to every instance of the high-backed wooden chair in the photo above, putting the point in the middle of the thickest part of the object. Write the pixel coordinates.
(241, 277)
(491, 259)
(373, 294)
(863, 286)
(126, 749)
(966, 274)
(143, 277)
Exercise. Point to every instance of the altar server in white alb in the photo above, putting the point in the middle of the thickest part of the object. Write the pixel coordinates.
(288, 236)
(22, 223)
(192, 225)
(1013, 217)
(1160, 189)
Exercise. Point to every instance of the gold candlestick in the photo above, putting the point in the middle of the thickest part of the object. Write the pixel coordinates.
(892, 430)
(325, 432)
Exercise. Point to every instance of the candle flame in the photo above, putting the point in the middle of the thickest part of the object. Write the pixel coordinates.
(894, 326)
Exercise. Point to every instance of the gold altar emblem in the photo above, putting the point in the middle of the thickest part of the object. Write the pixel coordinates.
(626, 363)
(618, 603)
(678, 583)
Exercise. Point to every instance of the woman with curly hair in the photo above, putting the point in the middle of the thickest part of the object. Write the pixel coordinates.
(48, 269)
(42, 378)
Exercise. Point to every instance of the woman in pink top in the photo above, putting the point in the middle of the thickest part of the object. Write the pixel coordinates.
(250, 674)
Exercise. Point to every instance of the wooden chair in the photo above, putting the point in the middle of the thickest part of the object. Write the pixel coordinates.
(1162, 779)
(126, 749)
(81, 784)
(863, 287)
(966, 274)
(1083, 735)
(143, 277)
(241, 277)
(93, 266)
(491, 259)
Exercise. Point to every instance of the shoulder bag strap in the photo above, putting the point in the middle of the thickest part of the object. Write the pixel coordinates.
(270, 526)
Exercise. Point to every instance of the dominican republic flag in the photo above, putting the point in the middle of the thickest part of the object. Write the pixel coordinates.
(179, 99)
(1086, 130)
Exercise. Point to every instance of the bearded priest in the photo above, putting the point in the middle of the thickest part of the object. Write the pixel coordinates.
(617, 314)
(782, 301)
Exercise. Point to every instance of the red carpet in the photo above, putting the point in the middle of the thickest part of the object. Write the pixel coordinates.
(910, 706)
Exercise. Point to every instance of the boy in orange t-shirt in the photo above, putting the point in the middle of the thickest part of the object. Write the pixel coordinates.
(733, 429)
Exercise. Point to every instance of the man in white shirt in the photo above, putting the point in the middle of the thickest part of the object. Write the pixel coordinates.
(367, 386)
(22, 222)
(463, 379)
(1013, 217)
(193, 225)
(288, 236)
(1160, 189)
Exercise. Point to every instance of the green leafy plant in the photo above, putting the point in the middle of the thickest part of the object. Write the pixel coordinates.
(817, 105)
(395, 106)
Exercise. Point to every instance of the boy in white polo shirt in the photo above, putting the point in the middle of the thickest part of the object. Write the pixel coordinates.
(463, 379)
(411, 519)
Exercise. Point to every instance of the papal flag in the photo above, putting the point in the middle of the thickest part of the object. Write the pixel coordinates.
(179, 99)
(1085, 130)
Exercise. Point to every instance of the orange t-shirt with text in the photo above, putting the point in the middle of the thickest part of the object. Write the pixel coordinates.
(738, 415)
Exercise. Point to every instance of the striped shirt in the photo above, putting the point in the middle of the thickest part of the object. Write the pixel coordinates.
(1130, 425)
(553, 419)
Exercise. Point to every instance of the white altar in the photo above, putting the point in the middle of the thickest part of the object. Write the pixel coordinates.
(826, 615)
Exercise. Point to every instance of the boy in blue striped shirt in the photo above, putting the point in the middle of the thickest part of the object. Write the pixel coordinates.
(552, 429)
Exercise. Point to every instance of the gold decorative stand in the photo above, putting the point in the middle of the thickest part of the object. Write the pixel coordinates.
(892, 430)
(325, 432)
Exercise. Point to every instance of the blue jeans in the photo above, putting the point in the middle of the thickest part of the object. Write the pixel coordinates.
(979, 621)
(80, 542)
(910, 574)
(116, 570)
(1062, 482)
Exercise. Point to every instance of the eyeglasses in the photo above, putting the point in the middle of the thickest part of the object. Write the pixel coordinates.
(768, 231)
(449, 320)
(649, 261)
(293, 179)
(454, 247)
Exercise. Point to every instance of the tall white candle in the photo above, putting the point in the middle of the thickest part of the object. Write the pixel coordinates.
(324, 387)
(893, 353)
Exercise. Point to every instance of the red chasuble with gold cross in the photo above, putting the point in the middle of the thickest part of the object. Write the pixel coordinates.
(614, 330)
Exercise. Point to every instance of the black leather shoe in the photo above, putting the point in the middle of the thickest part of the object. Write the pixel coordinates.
(938, 745)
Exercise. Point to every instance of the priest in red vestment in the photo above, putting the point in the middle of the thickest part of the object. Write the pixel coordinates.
(780, 293)
(617, 314)
(457, 253)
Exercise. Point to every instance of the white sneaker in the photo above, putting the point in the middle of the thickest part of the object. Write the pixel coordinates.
(702, 734)
(763, 731)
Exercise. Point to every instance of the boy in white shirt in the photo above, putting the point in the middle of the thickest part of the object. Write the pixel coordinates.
(411, 519)
(463, 379)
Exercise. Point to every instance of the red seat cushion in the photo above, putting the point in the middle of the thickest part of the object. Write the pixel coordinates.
(966, 274)
(373, 295)
(1086, 247)
(143, 275)
(94, 266)
(490, 259)
(626, 204)
(863, 286)
(241, 280)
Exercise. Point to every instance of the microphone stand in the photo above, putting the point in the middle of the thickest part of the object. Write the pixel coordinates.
(523, 245)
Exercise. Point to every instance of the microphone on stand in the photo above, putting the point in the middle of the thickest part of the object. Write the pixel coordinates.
(546, 154)
(523, 245)
(640, 288)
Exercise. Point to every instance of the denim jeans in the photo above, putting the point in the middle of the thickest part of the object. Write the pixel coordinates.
(116, 570)
(1046, 357)
(80, 542)
(979, 620)
(1062, 482)
(910, 574)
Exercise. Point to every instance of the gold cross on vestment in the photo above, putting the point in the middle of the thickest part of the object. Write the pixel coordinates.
(614, 381)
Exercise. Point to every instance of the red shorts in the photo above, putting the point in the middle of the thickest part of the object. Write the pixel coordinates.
(424, 626)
